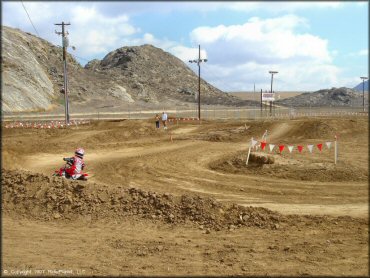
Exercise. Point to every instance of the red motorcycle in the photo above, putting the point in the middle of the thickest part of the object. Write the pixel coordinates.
(68, 171)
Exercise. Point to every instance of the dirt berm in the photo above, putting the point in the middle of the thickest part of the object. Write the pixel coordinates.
(44, 197)
(37, 196)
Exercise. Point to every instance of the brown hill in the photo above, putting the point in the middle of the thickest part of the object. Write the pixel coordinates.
(334, 97)
(142, 76)
(156, 76)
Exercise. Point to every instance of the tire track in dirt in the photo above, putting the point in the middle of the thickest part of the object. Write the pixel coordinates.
(174, 174)
(108, 228)
(183, 165)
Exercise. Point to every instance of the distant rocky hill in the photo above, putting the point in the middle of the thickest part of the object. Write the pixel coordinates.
(142, 76)
(359, 86)
(334, 97)
(157, 76)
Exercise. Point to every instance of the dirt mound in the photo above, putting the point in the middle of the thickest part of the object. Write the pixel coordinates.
(260, 159)
(42, 197)
(215, 136)
(289, 130)
(93, 136)
(281, 168)
(317, 129)
(121, 130)
(231, 132)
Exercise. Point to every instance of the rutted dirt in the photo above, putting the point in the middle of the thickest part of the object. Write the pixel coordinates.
(41, 197)
(190, 205)
(277, 166)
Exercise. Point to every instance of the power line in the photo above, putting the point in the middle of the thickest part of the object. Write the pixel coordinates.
(75, 56)
(30, 19)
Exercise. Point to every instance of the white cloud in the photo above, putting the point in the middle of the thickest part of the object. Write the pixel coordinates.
(351, 82)
(98, 34)
(185, 53)
(263, 41)
(82, 15)
(290, 76)
(360, 53)
(38, 11)
(91, 32)
(363, 3)
(240, 55)
(363, 52)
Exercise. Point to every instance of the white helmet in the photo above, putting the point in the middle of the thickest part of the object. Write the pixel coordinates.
(80, 152)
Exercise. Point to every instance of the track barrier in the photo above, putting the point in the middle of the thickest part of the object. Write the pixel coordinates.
(255, 144)
(208, 112)
(45, 124)
(183, 119)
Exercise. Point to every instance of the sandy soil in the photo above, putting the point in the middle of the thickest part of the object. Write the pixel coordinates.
(187, 205)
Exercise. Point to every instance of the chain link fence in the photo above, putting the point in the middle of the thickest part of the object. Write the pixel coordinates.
(207, 113)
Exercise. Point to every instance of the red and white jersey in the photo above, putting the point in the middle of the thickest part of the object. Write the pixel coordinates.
(79, 164)
(76, 167)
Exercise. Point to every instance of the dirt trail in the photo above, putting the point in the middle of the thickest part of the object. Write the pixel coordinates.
(183, 165)
(206, 164)
(279, 131)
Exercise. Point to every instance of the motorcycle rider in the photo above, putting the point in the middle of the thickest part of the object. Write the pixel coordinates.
(75, 165)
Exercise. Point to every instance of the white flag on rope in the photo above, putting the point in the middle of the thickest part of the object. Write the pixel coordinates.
(310, 148)
(328, 144)
(254, 142)
(290, 148)
(271, 146)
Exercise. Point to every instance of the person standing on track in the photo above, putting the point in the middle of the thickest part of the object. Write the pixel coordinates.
(157, 121)
(164, 120)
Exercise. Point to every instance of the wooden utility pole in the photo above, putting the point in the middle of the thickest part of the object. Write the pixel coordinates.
(272, 78)
(261, 103)
(363, 92)
(199, 84)
(65, 45)
(254, 96)
(336, 150)
(198, 61)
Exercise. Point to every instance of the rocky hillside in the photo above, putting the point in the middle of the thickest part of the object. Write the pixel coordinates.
(26, 82)
(334, 97)
(32, 74)
(157, 76)
(140, 76)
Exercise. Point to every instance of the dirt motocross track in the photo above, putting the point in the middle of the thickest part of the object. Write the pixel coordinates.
(187, 205)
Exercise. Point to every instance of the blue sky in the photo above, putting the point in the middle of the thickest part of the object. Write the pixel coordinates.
(313, 45)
